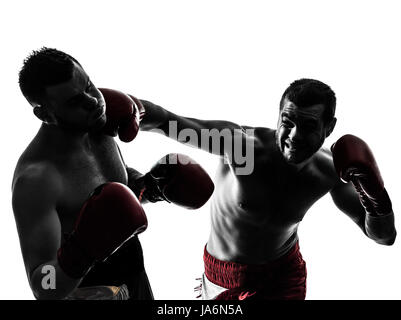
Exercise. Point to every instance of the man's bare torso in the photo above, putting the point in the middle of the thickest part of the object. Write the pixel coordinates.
(79, 169)
(255, 217)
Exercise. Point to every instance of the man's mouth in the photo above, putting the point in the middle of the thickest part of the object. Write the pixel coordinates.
(290, 146)
(96, 115)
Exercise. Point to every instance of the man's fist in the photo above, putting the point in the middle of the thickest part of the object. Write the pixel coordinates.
(123, 114)
(354, 161)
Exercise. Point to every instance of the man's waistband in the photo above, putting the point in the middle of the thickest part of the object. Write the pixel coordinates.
(233, 274)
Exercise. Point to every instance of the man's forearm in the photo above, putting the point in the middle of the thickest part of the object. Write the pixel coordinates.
(135, 181)
(100, 293)
(379, 219)
(155, 116)
(49, 282)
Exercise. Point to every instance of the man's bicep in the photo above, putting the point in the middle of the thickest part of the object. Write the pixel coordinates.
(37, 221)
(346, 199)
(214, 136)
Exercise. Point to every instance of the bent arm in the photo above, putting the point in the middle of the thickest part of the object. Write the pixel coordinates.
(379, 228)
(34, 204)
(136, 182)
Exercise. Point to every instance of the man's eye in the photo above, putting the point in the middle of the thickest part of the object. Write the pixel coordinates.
(310, 127)
(76, 99)
(89, 85)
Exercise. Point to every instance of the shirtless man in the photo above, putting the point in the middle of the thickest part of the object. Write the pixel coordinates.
(253, 251)
(77, 220)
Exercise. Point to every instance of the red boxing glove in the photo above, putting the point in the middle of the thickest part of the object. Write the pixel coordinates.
(108, 218)
(178, 179)
(140, 107)
(354, 161)
(123, 113)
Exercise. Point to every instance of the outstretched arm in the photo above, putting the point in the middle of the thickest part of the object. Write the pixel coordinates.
(224, 138)
(215, 136)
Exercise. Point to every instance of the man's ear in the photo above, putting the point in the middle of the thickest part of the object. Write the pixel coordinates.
(330, 126)
(41, 112)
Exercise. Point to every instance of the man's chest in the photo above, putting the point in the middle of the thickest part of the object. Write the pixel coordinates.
(276, 195)
(82, 173)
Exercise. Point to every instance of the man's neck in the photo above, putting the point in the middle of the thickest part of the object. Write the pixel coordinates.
(65, 139)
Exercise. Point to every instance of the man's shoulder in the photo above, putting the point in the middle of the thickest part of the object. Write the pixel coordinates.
(324, 159)
(263, 143)
(258, 130)
(36, 188)
(35, 176)
(326, 153)
(324, 162)
(262, 135)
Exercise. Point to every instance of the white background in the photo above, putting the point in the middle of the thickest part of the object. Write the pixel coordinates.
(220, 60)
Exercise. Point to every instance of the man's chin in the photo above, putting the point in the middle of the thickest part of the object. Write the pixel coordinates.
(98, 125)
(295, 159)
(292, 160)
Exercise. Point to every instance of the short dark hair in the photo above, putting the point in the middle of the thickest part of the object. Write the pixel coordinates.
(307, 92)
(44, 67)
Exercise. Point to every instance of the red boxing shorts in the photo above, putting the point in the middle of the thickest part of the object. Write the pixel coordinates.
(281, 279)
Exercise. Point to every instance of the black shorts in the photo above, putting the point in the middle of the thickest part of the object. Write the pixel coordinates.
(124, 266)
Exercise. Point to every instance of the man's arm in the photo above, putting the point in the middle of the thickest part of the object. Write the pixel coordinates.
(215, 136)
(136, 182)
(355, 164)
(175, 178)
(34, 200)
(379, 228)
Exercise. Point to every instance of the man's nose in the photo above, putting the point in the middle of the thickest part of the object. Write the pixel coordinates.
(295, 134)
(92, 102)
